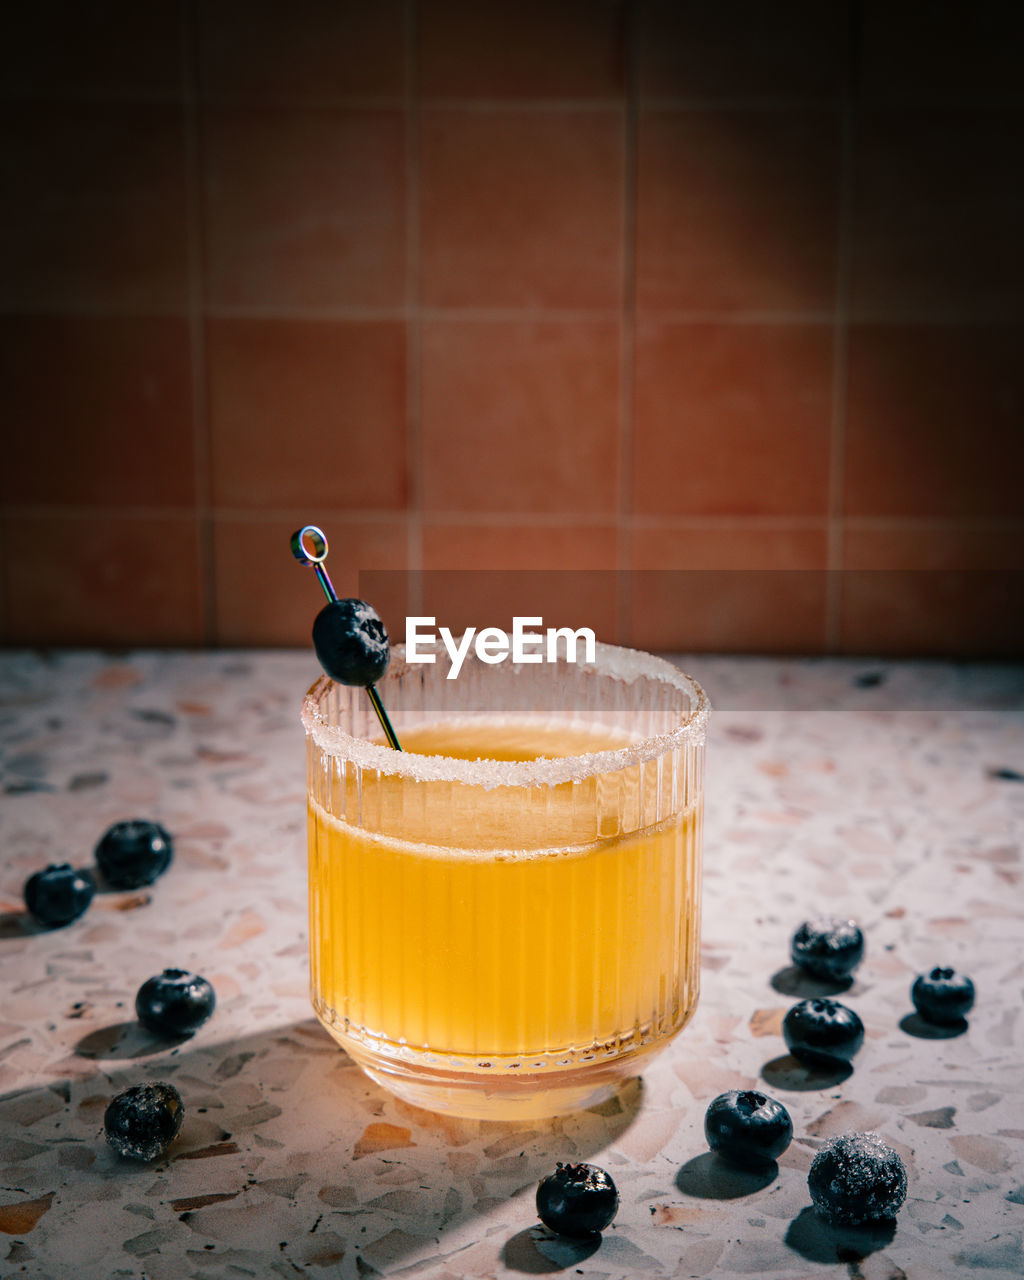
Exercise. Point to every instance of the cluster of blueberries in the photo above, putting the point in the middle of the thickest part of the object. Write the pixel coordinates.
(856, 1179)
(141, 1122)
(129, 855)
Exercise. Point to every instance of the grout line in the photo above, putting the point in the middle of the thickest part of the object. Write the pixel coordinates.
(413, 378)
(309, 314)
(627, 344)
(525, 106)
(753, 102)
(5, 607)
(993, 101)
(889, 524)
(748, 523)
(100, 510)
(840, 348)
(517, 519)
(497, 315)
(200, 424)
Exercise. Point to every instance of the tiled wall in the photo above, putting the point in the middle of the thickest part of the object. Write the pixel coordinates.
(582, 285)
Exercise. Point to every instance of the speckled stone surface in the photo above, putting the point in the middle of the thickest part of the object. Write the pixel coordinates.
(889, 792)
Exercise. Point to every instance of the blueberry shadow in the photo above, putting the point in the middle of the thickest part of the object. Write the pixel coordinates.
(19, 924)
(124, 1040)
(240, 1143)
(914, 1025)
(813, 1238)
(794, 981)
(786, 1072)
(537, 1251)
(710, 1177)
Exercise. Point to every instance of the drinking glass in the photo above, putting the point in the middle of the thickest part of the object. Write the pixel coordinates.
(505, 914)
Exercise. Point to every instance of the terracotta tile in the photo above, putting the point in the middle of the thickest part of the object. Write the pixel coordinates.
(740, 49)
(521, 209)
(738, 590)
(934, 421)
(264, 597)
(953, 51)
(936, 225)
(305, 207)
(737, 210)
(930, 547)
(484, 575)
(731, 419)
(122, 580)
(934, 590)
(546, 546)
(307, 412)
(521, 49)
(309, 51)
(739, 547)
(62, 48)
(520, 417)
(103, 407)
(93, 206)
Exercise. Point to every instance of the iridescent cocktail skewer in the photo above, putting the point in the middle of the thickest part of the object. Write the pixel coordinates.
(342, 624)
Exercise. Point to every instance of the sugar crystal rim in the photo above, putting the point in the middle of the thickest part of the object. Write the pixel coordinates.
(624, 664)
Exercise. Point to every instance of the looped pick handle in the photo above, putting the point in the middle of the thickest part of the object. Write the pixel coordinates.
(314, 558)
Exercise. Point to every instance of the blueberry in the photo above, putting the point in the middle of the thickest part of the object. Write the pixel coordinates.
(822, 1033)
(828, 947)
(351, 642)
(747, 1128)
(174, 1003)
(577, 1200)
(142, 1122)
(133, 854)
(856, 1179)
(943, 996)
(59, 894)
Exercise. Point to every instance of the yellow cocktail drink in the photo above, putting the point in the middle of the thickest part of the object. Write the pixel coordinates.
(503, 923)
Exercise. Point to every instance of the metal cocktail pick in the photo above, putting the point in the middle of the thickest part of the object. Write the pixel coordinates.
(314, 555)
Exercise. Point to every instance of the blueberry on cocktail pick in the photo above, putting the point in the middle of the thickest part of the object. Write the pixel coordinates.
(351, 643)
(348, 635)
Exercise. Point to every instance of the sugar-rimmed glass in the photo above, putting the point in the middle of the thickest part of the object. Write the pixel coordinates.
(511, 937)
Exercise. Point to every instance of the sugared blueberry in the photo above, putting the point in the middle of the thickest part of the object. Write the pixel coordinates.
(59, 894)
(747, 1128)
(351, 642)
(856, 1179)
(174, 1003)
(828, 947)
(577, 1200)
(943, 996)
(142, 1122)
(822, 1033)
(132, 854)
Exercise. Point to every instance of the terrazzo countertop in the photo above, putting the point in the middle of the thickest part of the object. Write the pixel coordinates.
(890, 792)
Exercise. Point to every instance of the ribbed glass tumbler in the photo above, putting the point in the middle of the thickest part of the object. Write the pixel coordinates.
(505, 915)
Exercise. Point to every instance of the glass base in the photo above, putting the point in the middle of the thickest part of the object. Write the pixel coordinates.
(494, 1091)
